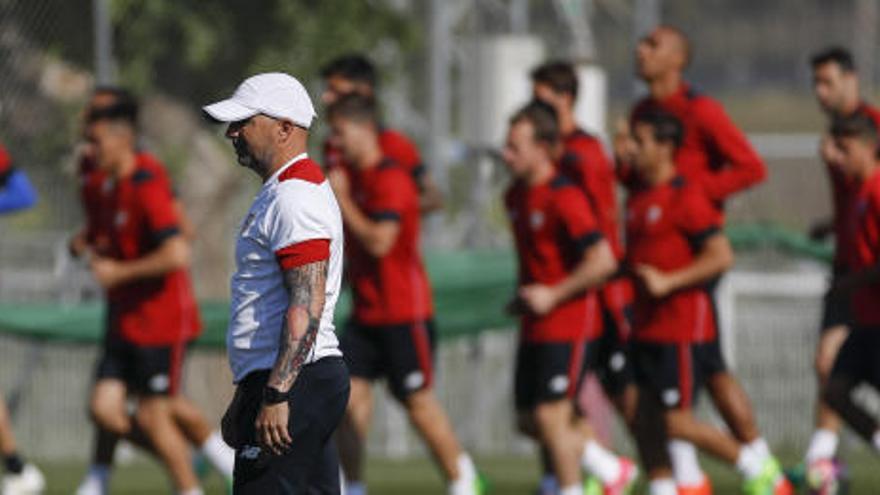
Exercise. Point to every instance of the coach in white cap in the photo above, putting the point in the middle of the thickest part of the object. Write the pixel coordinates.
(292, 385)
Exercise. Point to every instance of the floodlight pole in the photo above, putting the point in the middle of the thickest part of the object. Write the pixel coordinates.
(867, 15)
(440, 93)
(105, 65)
(647, 14)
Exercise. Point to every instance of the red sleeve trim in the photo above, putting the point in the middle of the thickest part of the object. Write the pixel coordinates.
(303, 253)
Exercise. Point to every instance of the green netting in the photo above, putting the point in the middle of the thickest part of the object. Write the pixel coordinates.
(471, 288)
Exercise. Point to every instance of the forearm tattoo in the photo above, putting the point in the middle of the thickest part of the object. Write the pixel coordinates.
(305, 285)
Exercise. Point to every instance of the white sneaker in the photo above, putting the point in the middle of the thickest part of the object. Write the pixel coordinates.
(91, 486)
(29, 482)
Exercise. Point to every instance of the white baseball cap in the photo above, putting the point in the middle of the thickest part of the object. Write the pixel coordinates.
(275, 94)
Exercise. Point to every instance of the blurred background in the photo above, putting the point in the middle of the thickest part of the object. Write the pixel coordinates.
(452, 71)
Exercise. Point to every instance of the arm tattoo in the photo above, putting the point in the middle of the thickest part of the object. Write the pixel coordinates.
(305, 285)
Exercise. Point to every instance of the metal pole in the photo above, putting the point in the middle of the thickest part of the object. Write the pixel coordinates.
(646, 16)
(867, 15)
(519, 16)
(105, 65)
(440, 94)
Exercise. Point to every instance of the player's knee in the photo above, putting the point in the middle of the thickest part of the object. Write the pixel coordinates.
(822, 365)
(550, 414)
(360, 395)
(115, 422)
(149, 414)
(419, 402)
(837, 394)
(109, 416)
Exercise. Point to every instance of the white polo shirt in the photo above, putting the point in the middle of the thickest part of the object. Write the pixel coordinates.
(294, 220)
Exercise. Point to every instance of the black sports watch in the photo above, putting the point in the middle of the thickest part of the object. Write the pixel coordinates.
(272, 395)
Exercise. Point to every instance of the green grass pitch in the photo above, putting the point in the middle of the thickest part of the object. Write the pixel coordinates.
(509, 476)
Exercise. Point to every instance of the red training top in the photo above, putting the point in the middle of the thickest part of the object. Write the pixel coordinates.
(843, 189)
(586, 164)
(132, 218)
(553, 225)
(715, 155)
(863, 234)
(665, 228)
(393, 289)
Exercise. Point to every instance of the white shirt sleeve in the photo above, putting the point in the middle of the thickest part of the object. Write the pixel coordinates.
(297, 213)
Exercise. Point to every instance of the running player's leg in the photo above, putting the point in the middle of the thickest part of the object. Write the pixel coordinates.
(410, 356)
(11, 458)
(361, 353)
(351, 437)
(544, 395)
(834, 330)
(20, 476)
(612, 471)
(107, 406)
(651, 437)
(195, 427)
(673, 373)
(734, 405)
(857, 362)
(156, 379)
(155, 418)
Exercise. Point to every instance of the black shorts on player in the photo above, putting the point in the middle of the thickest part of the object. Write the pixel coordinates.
(675, 372)
(859, 357)
(613, 364)
(317, 401)
(549, 371)
(403, 354)
(146, 370)
(835, 310)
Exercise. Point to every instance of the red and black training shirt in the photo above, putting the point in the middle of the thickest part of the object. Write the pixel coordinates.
(553, 225)
(130, 218)
(715, 155)
(393, 289)
(666, 226)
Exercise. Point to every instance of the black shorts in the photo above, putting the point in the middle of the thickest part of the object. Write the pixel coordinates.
(859, 357)
(311, 466)
(549, 371)
(674, 372)
(404, 354)
(835, 311)
(145, 370)
(612, 364)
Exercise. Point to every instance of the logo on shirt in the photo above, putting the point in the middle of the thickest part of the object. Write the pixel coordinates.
(654, 214)
(536, 220)
(121, 218)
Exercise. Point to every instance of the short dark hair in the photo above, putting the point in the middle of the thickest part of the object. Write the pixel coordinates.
(543, 119)
(858, 125)
(557, 74)
(667, 128)
(354, 66)
(125, 106)
(834, 54)
(358, 108)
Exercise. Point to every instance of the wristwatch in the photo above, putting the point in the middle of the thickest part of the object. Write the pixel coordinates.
(272, 395)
